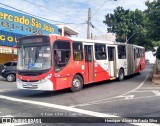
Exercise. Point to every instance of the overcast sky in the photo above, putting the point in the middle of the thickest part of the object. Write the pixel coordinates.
(75, 11)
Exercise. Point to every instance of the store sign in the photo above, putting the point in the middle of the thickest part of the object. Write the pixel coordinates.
(7, 50)
(24, 24)
(9, 38)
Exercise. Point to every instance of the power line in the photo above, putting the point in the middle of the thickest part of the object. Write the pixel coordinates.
(97, 21)
(102, 33)
(80, 25)
(97, 29)
(53, 10)
(101, 7)
(37, 16)
(98, 33)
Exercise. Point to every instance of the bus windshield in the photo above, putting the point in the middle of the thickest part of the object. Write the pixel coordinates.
(34, 58)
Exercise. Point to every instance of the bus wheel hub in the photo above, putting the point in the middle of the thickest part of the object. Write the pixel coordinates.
(76, 83)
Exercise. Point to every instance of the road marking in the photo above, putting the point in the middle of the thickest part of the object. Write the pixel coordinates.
(119, 100)
(129, 96)
(143, 91)
(119, 96)
(87, 112)
(7, 116)
(156, 92)
(82, 111)
(145, 124)
(136, 87)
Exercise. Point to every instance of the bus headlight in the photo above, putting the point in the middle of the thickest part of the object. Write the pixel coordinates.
(46, 78)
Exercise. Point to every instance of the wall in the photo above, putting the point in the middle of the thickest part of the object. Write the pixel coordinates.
(7, 57)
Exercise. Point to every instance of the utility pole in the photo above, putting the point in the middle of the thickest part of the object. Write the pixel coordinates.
(89, 24)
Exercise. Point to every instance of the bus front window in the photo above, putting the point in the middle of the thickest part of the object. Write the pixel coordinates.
(34, 58)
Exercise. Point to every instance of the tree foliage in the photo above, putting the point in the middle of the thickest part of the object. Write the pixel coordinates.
(158, 53)
(130, 26)
(153, 13)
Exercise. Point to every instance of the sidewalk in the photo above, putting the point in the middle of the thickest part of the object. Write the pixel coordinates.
(156, 77)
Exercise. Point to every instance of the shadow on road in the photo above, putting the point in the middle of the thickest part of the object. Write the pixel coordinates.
(43, 94)
(87, 89)
(110, 81)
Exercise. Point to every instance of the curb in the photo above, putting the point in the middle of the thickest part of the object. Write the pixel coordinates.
(155, 77)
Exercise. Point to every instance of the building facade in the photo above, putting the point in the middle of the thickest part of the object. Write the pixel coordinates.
(14, 25)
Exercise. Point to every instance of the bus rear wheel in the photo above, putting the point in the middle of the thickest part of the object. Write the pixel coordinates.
(121, 75)
(77, 83)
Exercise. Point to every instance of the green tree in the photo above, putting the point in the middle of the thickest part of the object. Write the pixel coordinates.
(158, 53)
(130, 26)
(153, 14)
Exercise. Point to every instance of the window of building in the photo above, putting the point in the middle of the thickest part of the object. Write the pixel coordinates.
(61, 54)
(100, 52)
(77, 51)
(121, 51)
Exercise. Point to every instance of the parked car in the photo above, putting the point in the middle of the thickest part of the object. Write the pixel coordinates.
(8, 71)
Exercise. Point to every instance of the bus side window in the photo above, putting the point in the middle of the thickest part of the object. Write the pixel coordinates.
(138, 53)
(121, 52)
(77, 51)
(100, 51)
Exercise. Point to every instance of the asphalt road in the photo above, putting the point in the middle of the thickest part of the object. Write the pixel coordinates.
(136, 96)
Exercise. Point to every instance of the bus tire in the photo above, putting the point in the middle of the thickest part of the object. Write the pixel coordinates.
(77, 83)
(121, 75)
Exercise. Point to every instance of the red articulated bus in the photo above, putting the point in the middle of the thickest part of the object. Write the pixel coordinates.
(55, 62)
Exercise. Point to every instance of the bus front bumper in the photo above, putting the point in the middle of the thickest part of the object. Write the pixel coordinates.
(39, 85)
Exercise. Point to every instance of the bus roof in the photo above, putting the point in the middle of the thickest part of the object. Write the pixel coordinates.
(91, 41)
(97, 41)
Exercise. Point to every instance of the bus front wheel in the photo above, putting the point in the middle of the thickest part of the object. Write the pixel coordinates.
(77, 83)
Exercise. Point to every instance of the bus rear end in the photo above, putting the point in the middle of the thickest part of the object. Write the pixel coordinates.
(34, 68)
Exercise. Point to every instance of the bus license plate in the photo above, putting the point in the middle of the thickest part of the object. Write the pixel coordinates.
(27, 85)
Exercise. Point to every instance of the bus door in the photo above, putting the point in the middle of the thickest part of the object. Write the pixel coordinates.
(112, 61)
(89, 63)
(135, 60)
